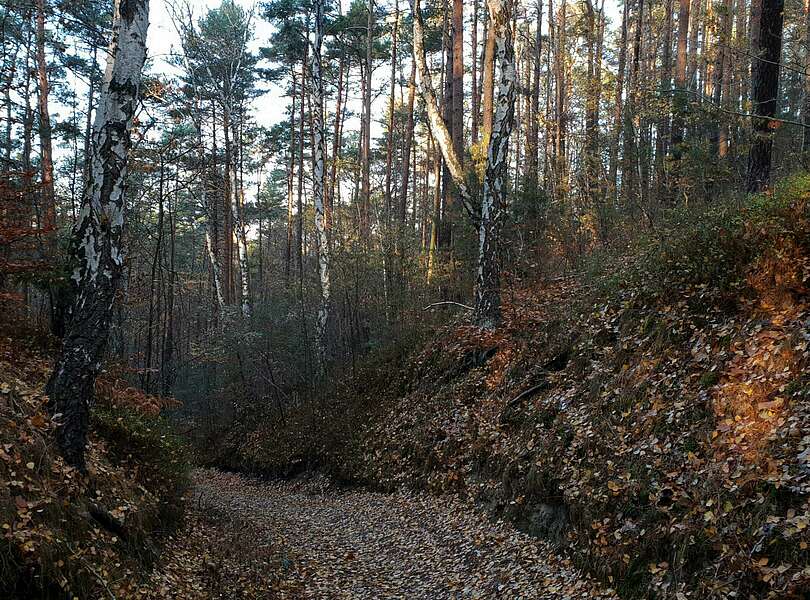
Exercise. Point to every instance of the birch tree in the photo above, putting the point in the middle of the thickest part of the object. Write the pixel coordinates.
(487, 293)
(318, 180)
(98, 233)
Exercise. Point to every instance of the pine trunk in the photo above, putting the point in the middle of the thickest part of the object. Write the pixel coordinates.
(765, 93)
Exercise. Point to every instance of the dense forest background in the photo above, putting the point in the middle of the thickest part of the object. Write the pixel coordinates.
(621, 113)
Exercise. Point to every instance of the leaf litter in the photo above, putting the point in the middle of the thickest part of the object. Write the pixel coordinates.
(355, 544)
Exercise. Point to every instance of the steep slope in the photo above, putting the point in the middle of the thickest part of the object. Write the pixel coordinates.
(65, 534)
(651, 418)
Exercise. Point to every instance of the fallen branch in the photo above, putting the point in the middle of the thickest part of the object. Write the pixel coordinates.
(531, 390)
(435, 304)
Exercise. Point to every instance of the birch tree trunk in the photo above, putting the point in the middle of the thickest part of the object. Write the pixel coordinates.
(98, 234)
(618, 108)
(488, 288)
(318, 180)
(487, 294)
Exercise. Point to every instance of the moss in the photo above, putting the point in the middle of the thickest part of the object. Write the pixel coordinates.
(709, 379)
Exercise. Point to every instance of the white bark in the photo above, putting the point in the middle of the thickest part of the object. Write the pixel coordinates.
(487, 289)
(319, 178)
(241, 239)
(98, 233)
(437, 125)
(487, 292)
(212, 257)
(101, 219)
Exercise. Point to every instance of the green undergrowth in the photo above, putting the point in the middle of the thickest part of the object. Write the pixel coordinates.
(648, 416)
(72, 535)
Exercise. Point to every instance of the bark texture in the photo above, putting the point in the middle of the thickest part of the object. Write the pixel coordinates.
(488, 289)
(318, 180)
(765, 92)
(98, 233)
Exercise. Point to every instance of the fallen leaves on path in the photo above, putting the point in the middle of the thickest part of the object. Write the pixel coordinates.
(354, 545)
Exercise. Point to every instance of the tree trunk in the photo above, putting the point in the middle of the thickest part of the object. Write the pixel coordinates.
(98, 234)
(663, 133)
(46, 149)
(631, 121)
(476, 94)
(696, 14)
(765, 93)
(290, 183)
(725, 63)
(618, 110)
(458, 79)
(488, 288)
(680, 98)
(487, 310)
(592, 107)
(532, 147)
(332, 189)
(406, 152)
(389, 141)
(488, 84)
(365, 158)
(806, 103)
(318, 181)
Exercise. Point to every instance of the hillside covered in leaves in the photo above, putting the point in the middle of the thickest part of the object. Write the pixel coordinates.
(68, 534)
(649, 415)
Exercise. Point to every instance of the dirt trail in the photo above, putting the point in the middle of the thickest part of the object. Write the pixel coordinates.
(363, 545)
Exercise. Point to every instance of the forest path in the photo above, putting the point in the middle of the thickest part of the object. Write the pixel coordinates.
(363, 545)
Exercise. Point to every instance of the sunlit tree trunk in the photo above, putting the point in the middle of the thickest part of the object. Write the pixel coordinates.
(488, 83)
(476, 92)
(487, 306)
(488, 287)
(98, 234)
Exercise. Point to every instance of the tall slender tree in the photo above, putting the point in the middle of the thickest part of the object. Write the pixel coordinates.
(765, 93)
(98, 234)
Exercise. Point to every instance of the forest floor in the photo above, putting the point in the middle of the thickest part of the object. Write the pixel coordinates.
(324, 542)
